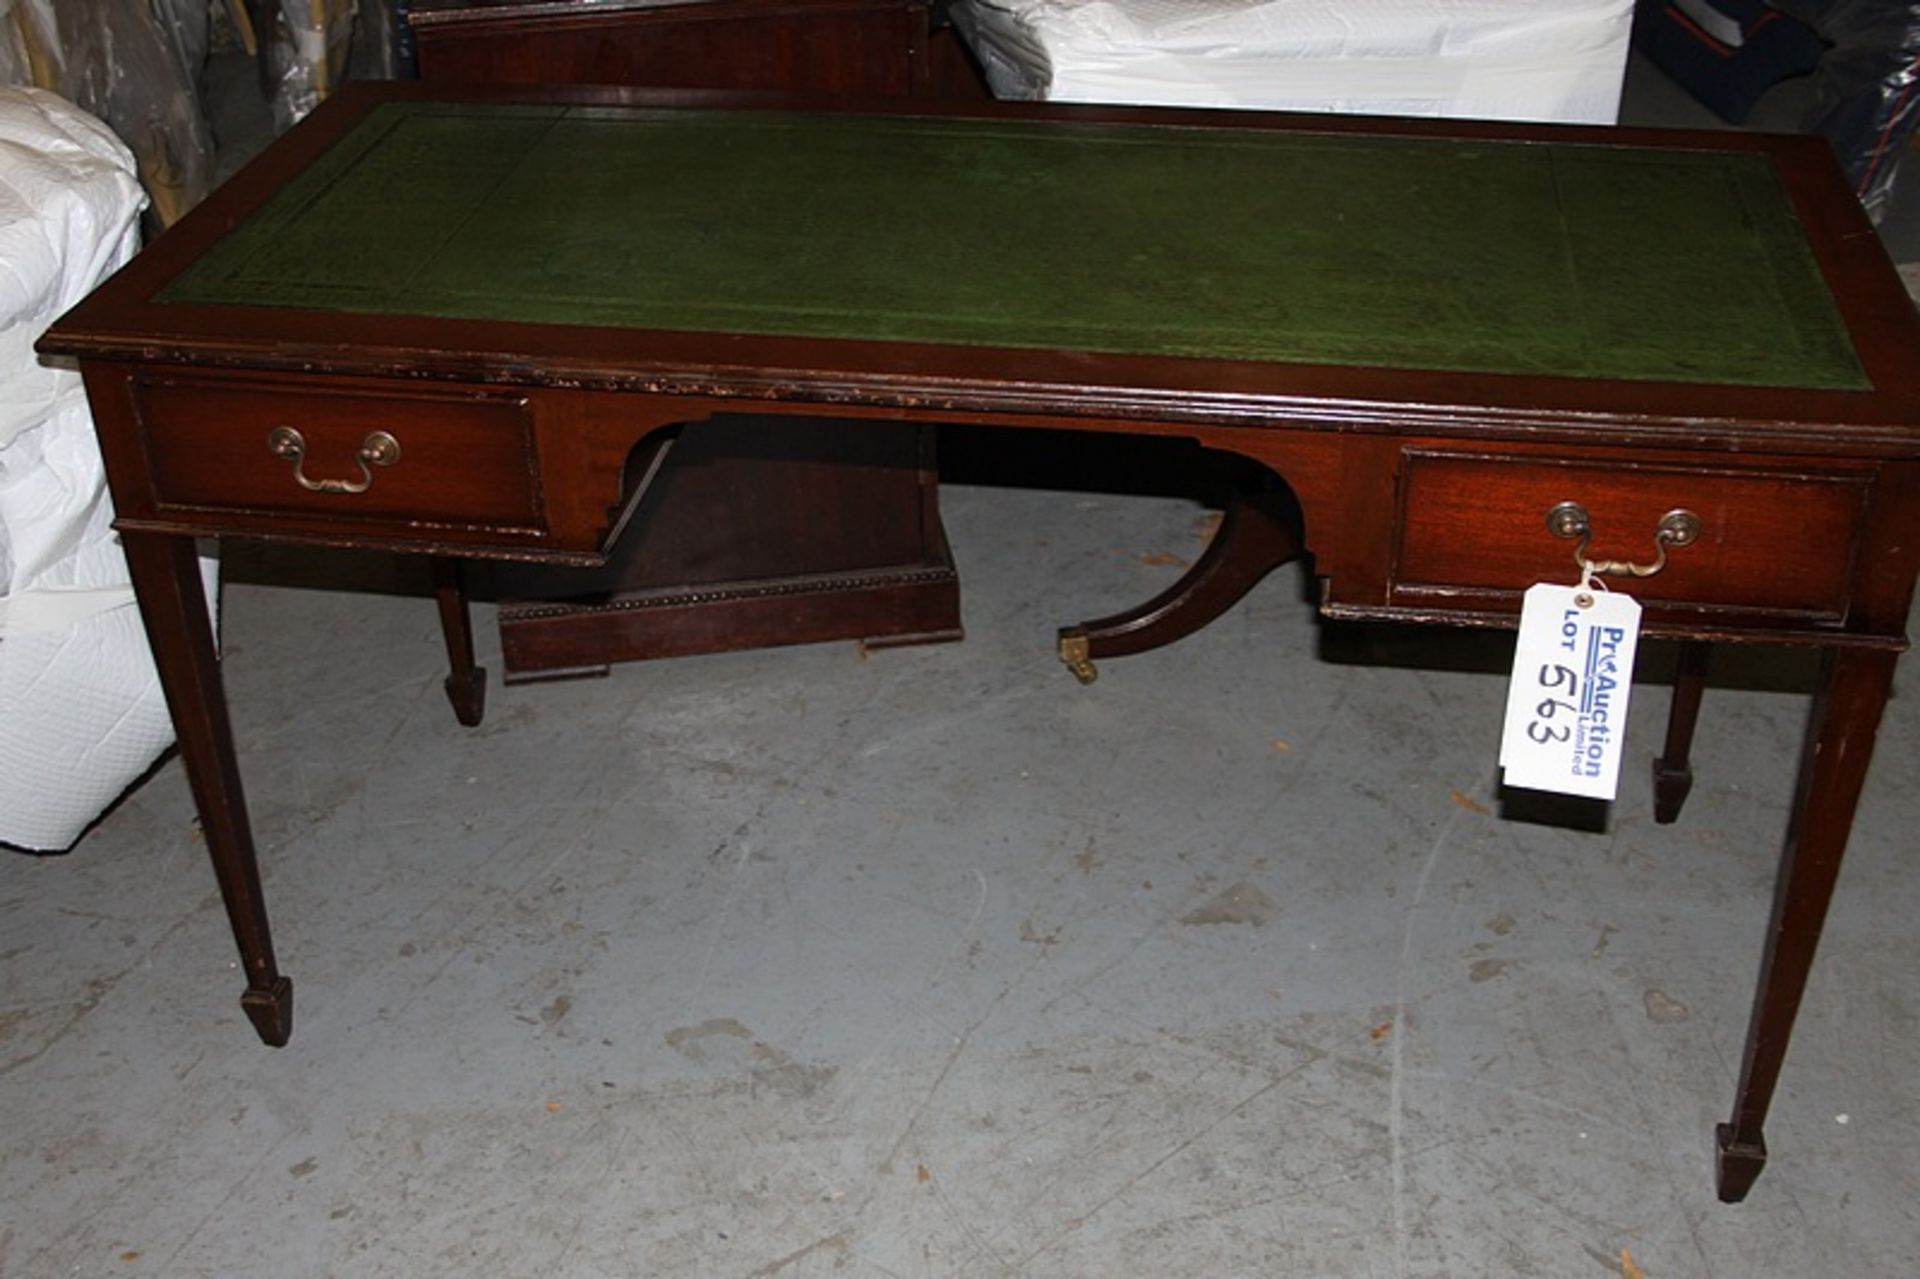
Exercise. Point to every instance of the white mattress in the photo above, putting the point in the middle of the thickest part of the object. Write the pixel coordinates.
(81, 714)
(1552, 60)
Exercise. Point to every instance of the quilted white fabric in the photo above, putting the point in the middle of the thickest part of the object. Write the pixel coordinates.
(81, 714)
(1558, 60)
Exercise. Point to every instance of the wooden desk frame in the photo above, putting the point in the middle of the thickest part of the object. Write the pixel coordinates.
(1356, 447)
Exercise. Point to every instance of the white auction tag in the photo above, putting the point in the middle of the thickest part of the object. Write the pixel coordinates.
(1567, 705)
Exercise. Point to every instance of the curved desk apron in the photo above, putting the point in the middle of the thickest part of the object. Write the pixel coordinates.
(1425, 336)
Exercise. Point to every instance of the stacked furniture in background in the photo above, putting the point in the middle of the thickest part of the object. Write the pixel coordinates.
(133, 65)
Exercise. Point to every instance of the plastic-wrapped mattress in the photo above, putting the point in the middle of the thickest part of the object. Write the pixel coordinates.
(81, 714)
(1479, 59)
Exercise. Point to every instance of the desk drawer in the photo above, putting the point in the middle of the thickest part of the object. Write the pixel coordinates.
(429, 456)
(1473, 530)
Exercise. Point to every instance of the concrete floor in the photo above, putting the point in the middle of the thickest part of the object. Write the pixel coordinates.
(935, 963)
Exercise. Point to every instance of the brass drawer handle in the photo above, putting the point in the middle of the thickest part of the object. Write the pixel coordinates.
(1676, 528)
(378, 449)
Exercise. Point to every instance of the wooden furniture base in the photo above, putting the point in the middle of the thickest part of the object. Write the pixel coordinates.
(466, 682)
(1672, 773)
(1259, 531)
(746, 537)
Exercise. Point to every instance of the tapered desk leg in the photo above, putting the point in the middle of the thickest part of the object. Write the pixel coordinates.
(1672, 772)
(166, 578)
(1258, 532)
(1846, 714)
(466, 683)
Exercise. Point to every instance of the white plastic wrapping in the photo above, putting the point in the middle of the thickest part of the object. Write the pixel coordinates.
(376, 40)
(81, 714)
(311, 40)
(189, 25)
(133, 66)
(1561, 60)
(26, 28)
(14, 67)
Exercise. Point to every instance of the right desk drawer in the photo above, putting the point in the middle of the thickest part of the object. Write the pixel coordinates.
(1472, 531)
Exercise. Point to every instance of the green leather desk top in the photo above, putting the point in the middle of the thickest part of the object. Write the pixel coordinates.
(1502, 257)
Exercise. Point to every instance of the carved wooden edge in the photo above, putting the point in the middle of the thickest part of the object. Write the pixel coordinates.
(678, 596)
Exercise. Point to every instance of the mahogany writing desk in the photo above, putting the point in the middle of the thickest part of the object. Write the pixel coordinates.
(1456, 355)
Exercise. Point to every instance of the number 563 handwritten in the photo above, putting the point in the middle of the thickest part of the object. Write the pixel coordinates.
(1554, 677)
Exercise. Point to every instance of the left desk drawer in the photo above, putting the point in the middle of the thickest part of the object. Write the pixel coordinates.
(349, 453)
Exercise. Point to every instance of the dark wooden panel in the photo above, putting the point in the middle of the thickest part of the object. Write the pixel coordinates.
(879, 608)
(754, 532)
(735, 490)
(1770, 538)
(832, 52)
(462, 458)
(882, 47)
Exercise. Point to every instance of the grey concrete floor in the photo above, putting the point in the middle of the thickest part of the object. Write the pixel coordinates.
(934, 963)
(937, 963)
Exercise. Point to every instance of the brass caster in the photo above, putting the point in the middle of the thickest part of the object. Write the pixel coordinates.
(1075, 652)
